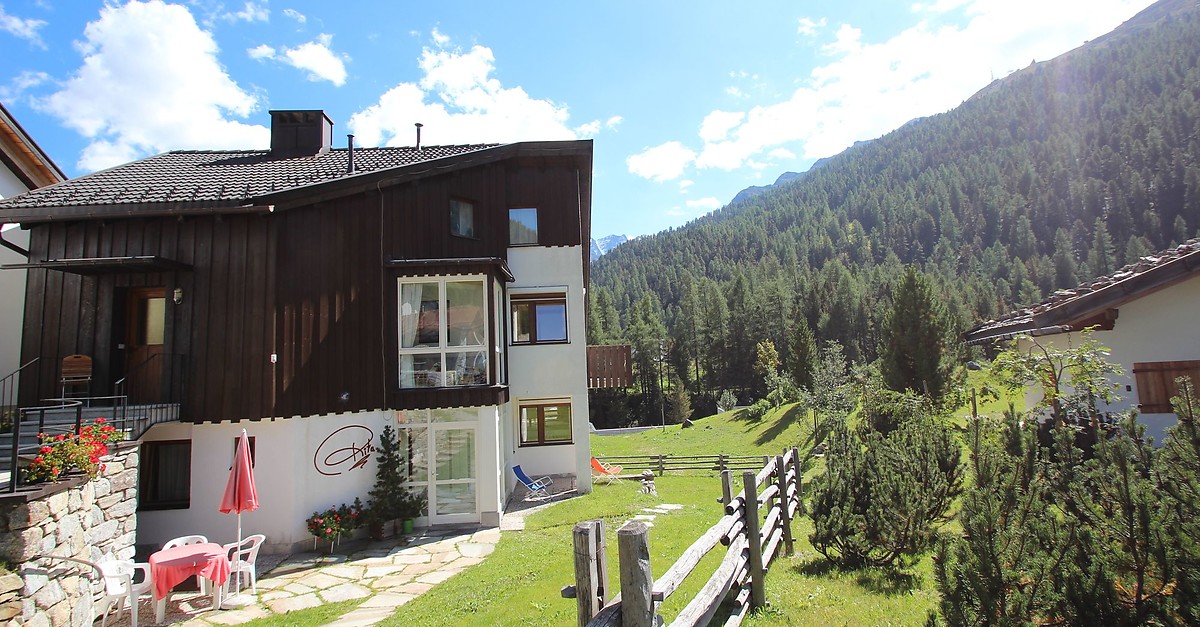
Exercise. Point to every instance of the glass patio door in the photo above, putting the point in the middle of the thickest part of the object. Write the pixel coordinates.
(452, 490)
(440, 448)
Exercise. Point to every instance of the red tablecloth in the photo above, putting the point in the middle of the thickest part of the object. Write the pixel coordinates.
(172, 566)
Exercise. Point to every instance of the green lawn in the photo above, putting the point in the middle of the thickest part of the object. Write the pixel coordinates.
(729, 433)
(519, 583)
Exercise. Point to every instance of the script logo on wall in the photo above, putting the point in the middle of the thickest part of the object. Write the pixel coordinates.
(346, 449)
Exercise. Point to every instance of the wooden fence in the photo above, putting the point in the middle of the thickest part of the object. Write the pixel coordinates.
(757, 524)
(662, 463)
(609, 366)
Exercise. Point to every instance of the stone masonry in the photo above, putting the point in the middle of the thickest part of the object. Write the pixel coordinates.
(75, 517)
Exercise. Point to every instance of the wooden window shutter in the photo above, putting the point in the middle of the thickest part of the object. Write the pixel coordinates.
(1156, 383)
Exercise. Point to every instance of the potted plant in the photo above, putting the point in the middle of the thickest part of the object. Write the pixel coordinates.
(413, 505)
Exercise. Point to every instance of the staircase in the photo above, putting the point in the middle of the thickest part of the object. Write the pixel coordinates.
(21, 425)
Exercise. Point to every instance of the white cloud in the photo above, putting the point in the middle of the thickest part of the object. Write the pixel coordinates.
(150, 81)
(847, 40)
(261, 52)
(20, 83)
(736, 92)
(295, 15)
(588, 130)
(867, 88)
(251, 12)
(716, 125)
(809, 27)
(459, 101)
(685, 185)
(664, 162)
(439, 38)
(316, 57)
(613, 122)
(703, 203)
(20, 28)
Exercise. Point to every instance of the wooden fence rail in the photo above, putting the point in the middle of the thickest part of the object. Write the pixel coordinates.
(756, 526)
(662, 463)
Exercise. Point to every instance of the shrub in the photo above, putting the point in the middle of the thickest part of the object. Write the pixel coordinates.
(883, 497)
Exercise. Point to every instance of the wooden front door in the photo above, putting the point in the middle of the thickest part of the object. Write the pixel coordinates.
(145, 333)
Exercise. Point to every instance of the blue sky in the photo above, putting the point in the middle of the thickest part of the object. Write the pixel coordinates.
(688, 102)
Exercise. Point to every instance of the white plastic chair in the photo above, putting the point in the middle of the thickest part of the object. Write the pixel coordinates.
(183, 541)
(120, 588)
(241, 559)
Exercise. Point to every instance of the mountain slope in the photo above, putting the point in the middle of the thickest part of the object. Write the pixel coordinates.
(1054, 174)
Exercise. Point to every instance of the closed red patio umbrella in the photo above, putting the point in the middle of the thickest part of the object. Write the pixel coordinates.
(240, 493)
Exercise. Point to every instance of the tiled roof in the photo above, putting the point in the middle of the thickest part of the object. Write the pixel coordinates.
(219, 177)
(1069, 305)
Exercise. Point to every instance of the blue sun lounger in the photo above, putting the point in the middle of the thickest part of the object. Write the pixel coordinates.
(537, 489)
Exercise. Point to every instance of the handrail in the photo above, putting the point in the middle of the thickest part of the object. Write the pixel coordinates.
(95, 569)
(8, 391)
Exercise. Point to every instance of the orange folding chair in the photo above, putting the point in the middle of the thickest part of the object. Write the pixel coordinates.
(606, 471)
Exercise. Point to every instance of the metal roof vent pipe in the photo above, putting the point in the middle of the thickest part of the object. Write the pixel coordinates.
(349, 154)
(419, 125)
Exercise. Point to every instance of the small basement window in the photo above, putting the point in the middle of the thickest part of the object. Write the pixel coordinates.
(165, 475)
(545, 422)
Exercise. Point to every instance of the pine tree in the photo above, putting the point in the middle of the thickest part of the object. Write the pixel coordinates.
(681, 403)
(882, 498)
(914, 342)
(386, 497)
(802, 354)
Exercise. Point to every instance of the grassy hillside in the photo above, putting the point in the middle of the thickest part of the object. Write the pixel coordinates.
(730, 432)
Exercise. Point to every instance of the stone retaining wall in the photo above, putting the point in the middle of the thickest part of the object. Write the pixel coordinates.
(78, 518)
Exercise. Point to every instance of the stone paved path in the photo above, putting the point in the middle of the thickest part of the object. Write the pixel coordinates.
(387, 575)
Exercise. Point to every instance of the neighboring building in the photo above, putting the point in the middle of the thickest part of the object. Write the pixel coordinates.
(1143, 312)
(314, 295)
(23, 166)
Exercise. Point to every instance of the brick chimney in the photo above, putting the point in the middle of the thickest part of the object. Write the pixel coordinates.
(300, 133)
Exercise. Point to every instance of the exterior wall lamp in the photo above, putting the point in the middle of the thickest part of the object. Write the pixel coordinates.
(177, 296)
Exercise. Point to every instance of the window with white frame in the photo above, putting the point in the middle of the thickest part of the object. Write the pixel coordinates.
(539, 318)
(443, 332)
(544, 422)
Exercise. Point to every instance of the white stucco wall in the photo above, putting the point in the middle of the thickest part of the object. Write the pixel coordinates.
(550, 370)
(12, 282)
(290, 486)
(1156, 327)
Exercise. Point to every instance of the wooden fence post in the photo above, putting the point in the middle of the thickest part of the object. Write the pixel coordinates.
(758, 594)
(785, 504)
(633, 549)
(662, 468)
(586, 580)
(726, 487)
(602, 589)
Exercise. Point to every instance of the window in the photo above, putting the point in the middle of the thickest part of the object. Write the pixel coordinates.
(1156, 383)
(545, 422)
(443, 332)
(522, 226)
(539, 318)
(165, 475)
(462, 218)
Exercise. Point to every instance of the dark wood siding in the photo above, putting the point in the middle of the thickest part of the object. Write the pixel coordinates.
(216, 331)
(306, 284)
(328, 309)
